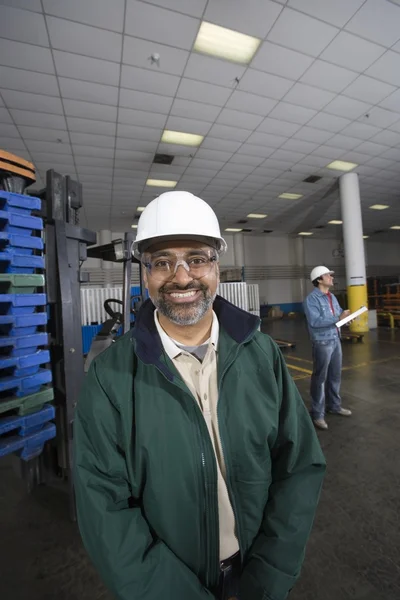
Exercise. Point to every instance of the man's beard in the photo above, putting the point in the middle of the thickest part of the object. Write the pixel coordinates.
(188, 313)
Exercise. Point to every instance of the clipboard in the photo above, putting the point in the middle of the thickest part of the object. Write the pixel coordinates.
(353, 315)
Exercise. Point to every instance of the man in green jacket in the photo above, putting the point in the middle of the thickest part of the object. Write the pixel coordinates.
(197, 468)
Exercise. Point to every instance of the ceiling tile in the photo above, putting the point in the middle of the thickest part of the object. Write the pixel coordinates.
(25, 56)
(292, 113)
(138, 53)
(264, 84)
(310, 97)
(378, 21)
(337, 14)
(329, 122)
(361, 130)
(347, 107)
(83, 39)
(194, 110)
(52, 147)
(194, 8)
(90, 139)
(254, 150)
(140, 133)
(308, 134)
(41, 134)
(90, 110)
(91, 126)
(33, 5)
(287, 155)
(229, 133)
(211, 155)
(388, 138)
(9, 131)
(392, 102)
(357, 157)
(28, 27)
(28, 81)
(213, 70)
(299, 146)
(314, 161)
(141, 118)
(99, 13)
(176, 149)
(381, 117)
(145, 101)
(281, 61)
(278, 127)
(329, 77)
(368, 89)
(239, 119)
(267, 139)
(88, 91)
(10, 144)
(387, 67)
(344, 141)
(5, 116)
(246, 159)
(203, 92)
(47, 157)
(392, 154)
(302, 32)
(32, 102)
(160, 25)
(352, 52)
(86, 68)
(149, 81)
(371, 148)
(379, 163)
(251, 103)
(34, 119)
(188, 125)
(135, 145)
(255, 18)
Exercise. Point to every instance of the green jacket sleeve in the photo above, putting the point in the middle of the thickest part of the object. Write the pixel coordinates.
(298, 468)
(132, 563)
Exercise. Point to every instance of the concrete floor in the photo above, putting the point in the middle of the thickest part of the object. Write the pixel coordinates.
(354, 550)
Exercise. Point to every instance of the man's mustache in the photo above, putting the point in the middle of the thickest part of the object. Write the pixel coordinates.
(176, 288)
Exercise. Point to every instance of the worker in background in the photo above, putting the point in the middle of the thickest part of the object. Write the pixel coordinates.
(323, 311)
(197, 469)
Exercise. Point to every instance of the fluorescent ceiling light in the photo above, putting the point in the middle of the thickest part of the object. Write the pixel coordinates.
(341, 165)
(256, 216)
(365, 237)
(288, 196)
(335, 222)
(379, 206)
(161, 183)
(233, 230)
(226, 43)
(134, 226)
(395, 227)
(140, 208)
(305, 233)
(184, 139)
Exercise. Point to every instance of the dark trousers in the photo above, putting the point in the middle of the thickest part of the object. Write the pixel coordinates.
(229, 579)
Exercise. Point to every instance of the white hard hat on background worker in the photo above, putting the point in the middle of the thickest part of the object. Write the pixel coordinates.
(317, 272)
(175, 215)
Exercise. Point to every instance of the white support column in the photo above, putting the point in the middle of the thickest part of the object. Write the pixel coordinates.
(238, 249)
(354, 248)
(104, 237)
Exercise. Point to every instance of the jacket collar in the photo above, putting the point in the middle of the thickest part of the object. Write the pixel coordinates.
(238, 324)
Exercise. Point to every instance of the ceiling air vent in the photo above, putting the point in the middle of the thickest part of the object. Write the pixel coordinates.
(163, 159)
(380, 231)
(320, 227)
(242, 221)
(312, 179)
(267, 230)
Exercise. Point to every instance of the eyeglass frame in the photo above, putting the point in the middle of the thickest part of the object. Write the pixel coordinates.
(212, 258)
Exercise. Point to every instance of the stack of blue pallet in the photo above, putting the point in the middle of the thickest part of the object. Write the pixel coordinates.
(25, 376)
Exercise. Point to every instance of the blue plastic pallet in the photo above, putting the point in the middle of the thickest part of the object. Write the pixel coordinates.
(20, 263)
(17, 325)
(11, 222)
(30, 446)
(25, 365)
(29, 423)
(22, 345)
(19, 202)
(21, 386)
(21, 304)
(21, 241)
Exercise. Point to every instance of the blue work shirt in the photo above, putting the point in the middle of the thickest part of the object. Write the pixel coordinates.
(321, 322)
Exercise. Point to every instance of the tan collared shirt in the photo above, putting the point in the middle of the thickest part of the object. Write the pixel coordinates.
(201, 379)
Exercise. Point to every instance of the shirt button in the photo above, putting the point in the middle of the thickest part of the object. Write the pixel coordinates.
(205, 396)
(197, 372)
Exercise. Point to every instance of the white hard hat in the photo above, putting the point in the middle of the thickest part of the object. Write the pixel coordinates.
(317, 272)
(178, 215)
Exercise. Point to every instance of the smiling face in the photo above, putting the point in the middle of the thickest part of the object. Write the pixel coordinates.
(182, 279)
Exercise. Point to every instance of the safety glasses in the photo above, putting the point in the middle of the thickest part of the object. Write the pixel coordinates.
(163, 265)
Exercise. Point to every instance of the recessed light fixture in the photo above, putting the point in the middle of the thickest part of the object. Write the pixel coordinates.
(305, 233)
(226, 43)
(395, 227)
(379, 206)
(256, 216)
(140, 208)
(365, 237)
(232, 230)
(335, 222)
(288, 196)
(341, 165)
(161, 183)
(184, 139)
(134, 226)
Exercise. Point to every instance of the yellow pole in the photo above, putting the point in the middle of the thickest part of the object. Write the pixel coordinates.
(357, 297)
